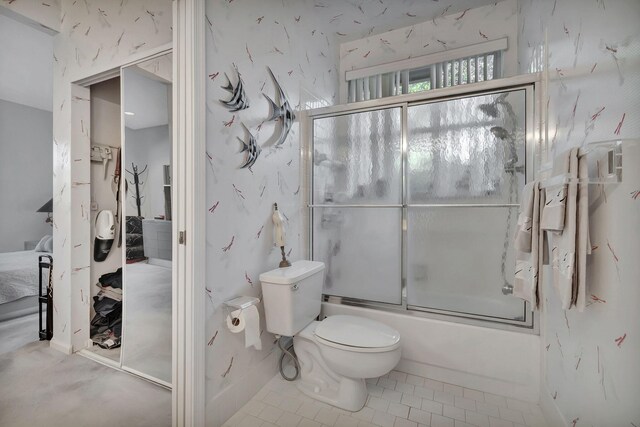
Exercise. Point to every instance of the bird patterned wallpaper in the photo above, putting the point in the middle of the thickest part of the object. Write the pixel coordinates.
(299, 41)
(591, 370)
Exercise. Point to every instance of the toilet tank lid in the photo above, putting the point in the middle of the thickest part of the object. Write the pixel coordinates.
(289, 275)
(357, 331)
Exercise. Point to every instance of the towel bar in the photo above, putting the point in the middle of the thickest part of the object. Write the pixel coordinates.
(607, 152)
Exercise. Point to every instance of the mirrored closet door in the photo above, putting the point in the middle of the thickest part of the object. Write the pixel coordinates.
(146, 164)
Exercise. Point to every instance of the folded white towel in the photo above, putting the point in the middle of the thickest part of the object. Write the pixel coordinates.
(525, 219)
(563, 247)
(553, 213)
(554, 210)
(571, 245)
(583, 241)
(530, 256)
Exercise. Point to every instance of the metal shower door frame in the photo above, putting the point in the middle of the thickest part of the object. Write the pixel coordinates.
(533, 157)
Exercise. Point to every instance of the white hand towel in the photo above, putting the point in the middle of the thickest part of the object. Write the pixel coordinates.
(563, 248)
(528, 275)
(525, 219)
(583, 242)
(554, 211)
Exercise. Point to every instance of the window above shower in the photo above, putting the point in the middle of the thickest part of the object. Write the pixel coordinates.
(471, 64)
(413, 205)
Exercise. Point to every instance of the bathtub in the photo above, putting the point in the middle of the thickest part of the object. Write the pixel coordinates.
(486, 359)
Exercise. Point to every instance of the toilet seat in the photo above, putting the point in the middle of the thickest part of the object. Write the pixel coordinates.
(356, 334)
(357, 349)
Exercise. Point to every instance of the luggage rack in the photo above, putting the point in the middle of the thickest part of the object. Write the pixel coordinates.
(45, 300)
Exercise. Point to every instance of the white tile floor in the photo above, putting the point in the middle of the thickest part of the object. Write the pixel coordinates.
(396, 400)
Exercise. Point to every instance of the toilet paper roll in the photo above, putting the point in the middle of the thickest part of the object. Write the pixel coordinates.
(247, 320)
(236, 322)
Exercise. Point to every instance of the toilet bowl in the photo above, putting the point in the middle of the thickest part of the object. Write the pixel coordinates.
(336, 354)
(335, 363)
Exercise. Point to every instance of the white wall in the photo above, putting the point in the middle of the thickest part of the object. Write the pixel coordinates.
(151, 147)
(105, 130)
(26, 65)
(594, 72)
(25, 173)
(26, 123)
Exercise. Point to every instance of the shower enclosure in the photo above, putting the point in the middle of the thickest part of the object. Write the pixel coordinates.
(413, 204)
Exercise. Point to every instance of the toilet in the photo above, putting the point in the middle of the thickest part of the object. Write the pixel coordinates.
(336, 354)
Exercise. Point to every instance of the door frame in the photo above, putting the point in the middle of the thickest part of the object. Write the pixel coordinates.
(189, 222)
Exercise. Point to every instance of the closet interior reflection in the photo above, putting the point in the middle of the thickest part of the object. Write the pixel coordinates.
(146, 89)
(131, 206)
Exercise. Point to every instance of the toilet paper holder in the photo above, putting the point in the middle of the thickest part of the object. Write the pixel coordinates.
(246, 322)
(240, 303)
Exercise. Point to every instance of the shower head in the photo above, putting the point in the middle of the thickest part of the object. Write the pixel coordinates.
(512, 155)
(490, 110)
(500, 132)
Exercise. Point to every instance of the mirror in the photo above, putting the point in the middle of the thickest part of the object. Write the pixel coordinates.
(146, 100)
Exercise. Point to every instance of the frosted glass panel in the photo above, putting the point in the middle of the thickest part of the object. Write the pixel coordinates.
(361, 248)
(467, 150)
(459, 259)
(357, 158)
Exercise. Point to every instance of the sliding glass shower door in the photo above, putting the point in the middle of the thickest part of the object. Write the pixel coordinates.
(465, 171)
(414, 206)
(357, 199)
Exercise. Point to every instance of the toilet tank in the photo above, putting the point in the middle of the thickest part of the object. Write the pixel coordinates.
(292, 296)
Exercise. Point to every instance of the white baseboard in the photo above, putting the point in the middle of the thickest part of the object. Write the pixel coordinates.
(226, 403)
(527, 393)
(160, 262)
(62, 347)
(550, 409)
(98, 358)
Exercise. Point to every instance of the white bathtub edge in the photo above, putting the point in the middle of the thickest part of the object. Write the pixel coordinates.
(491, 360)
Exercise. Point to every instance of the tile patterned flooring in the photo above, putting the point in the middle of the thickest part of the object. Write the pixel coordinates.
(395, 400)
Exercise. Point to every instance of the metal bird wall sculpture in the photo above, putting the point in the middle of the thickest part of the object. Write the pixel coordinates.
(251, 147)
(239, 99)
(283, 112)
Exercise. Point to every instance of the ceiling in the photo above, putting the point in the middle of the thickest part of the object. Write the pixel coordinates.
(146, 97)
(26, 65)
